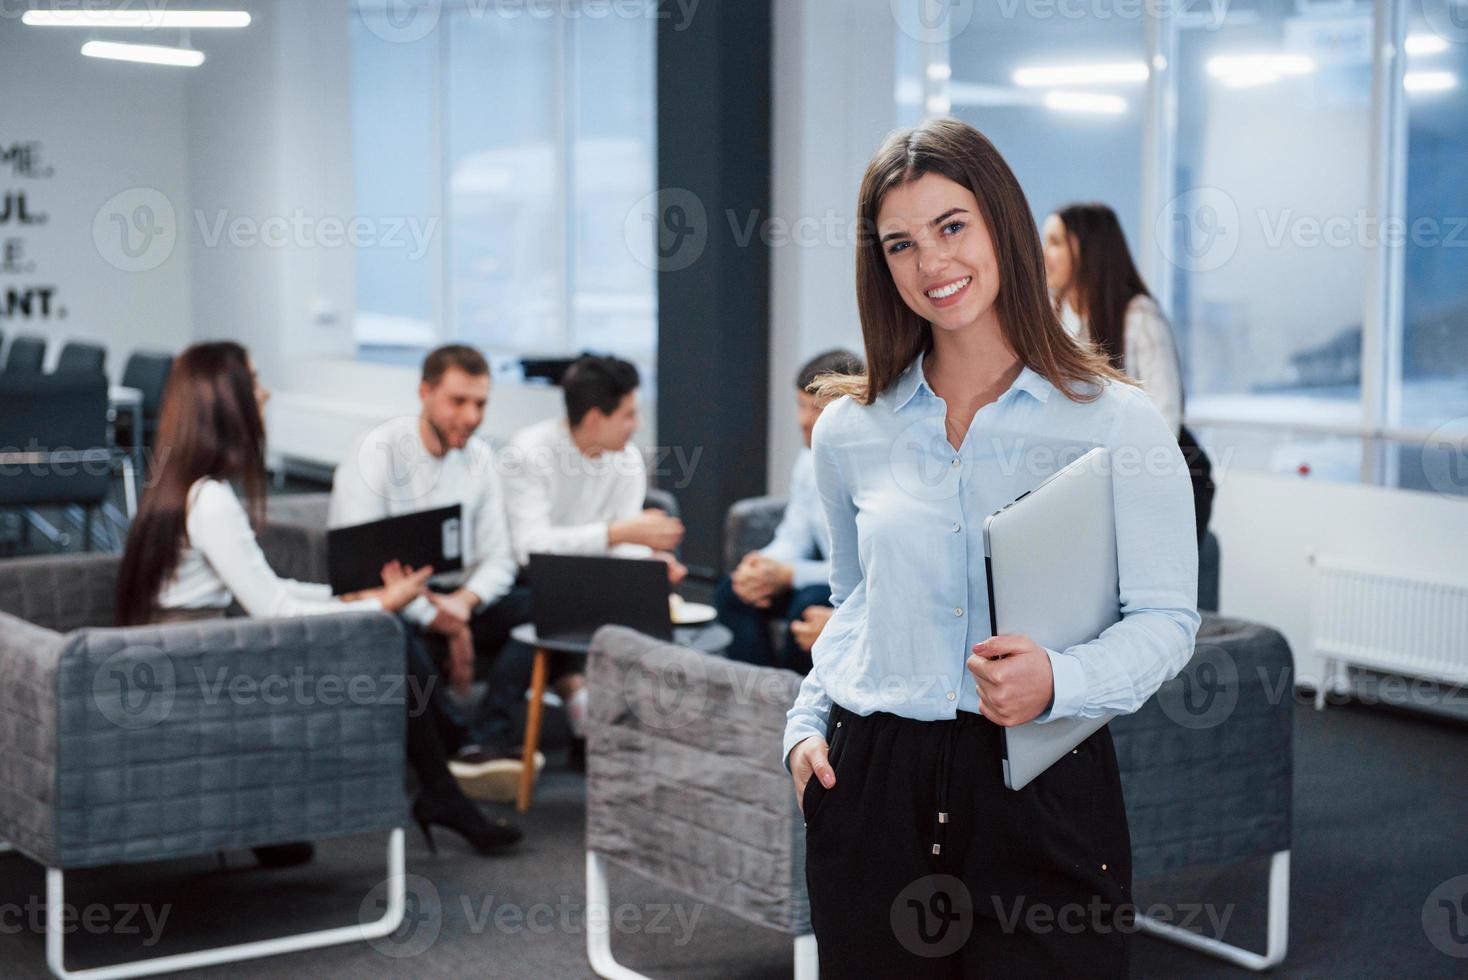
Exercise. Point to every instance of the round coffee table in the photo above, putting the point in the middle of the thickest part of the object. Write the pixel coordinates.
(712, 637)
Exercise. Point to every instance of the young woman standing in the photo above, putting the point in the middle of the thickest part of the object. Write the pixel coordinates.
(1101, 298)
(919, 861)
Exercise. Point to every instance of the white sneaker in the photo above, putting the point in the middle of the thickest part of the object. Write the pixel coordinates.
(496, 778)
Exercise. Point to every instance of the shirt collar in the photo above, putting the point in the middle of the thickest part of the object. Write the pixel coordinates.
(912, 381)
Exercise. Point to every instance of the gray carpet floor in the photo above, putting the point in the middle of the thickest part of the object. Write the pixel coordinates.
(1380, 802)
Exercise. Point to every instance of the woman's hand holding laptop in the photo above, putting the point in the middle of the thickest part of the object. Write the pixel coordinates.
(1014, 679)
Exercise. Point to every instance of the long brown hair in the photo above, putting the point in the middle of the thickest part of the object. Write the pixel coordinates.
(1103, 278)
(893, 334)
(210, 426)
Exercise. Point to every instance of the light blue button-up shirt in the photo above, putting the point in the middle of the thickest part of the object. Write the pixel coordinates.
(906, 514)
(802, 540)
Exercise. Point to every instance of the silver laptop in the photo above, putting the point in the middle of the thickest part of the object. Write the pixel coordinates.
(1050, 557)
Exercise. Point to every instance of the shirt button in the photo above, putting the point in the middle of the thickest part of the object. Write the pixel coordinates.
(956, 461)
(958, 612)
(956, 528)
(952, 696)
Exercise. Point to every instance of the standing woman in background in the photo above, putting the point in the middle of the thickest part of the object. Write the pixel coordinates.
(1100, 297)
(192, 551)
(919, 861)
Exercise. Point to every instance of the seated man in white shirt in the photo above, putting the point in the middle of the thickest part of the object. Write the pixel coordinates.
(788, 581)
(434, 459)
(576, 486)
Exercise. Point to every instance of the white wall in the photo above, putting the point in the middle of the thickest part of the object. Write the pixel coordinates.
(834, 79)
(1268, 527)
(269, 121)
(106, 128)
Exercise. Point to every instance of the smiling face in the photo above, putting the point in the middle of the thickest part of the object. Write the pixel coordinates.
(1059, 266)
(939, 253)
(454, 407)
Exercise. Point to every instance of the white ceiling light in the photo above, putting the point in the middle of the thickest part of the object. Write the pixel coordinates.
(149, 54)
(1425, 44)
(1108, 74)
(136, 18)
(1110, 105)
(940, 72)
(1429, 81)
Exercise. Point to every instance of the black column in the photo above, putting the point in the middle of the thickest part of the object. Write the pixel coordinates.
(713, 94)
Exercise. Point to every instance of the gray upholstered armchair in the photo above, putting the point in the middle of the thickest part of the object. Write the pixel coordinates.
(684, 786)
(154, 742)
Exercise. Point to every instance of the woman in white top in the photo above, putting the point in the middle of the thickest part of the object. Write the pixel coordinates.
(191, 551)
(1101, 298)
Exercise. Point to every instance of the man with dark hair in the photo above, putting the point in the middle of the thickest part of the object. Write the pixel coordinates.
(576, 486)
(788, 581)
(413, 464)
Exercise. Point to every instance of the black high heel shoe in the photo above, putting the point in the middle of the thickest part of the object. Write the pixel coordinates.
(455, 812)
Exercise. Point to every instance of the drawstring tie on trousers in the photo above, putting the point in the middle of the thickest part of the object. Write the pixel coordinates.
(946, 749)
(945, 770)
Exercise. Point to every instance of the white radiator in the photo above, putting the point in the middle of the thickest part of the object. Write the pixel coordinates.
(1387, 621)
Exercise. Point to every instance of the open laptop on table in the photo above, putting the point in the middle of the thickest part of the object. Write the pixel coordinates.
(572, 596)
(1050, 557)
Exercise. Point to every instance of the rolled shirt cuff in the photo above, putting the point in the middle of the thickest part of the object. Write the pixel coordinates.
(1069, 687)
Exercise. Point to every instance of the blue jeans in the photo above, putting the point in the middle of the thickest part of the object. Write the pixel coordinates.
(751, 625)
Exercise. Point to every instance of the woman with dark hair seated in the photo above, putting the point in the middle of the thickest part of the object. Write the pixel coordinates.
(191, 551)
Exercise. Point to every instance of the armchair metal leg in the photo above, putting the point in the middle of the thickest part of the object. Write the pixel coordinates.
(807, 965)
(599, 932)
(388, 924)
(1278, 935)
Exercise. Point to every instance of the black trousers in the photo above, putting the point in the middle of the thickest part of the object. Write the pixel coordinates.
(1009, 884)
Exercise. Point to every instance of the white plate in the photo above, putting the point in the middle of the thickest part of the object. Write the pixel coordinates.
(694, 613)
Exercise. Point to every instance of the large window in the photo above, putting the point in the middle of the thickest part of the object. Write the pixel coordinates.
(1289, 175)
(529, 131)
